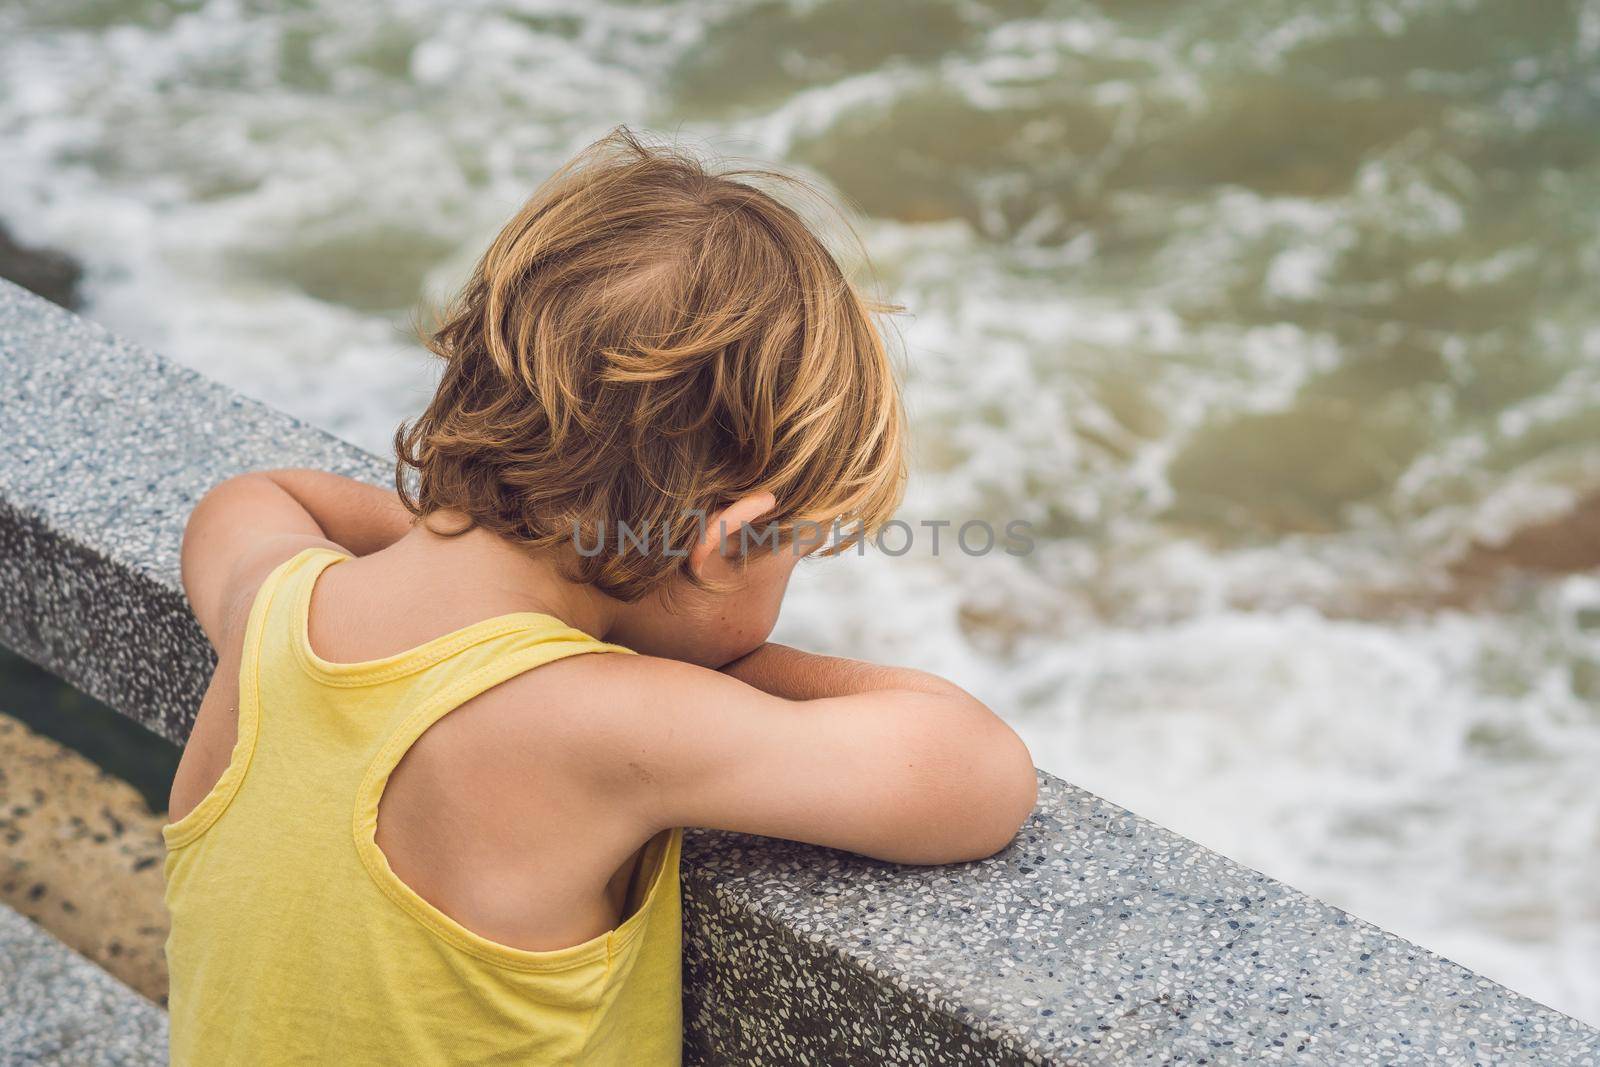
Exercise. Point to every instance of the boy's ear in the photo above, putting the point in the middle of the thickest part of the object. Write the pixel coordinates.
(720, 538)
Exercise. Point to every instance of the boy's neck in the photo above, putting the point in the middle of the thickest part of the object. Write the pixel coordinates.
(480, 561)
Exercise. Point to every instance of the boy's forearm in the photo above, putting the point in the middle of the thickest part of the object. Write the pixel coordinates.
(360, 517)
(796, 675)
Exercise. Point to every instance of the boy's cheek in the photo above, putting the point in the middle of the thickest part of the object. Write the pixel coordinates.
(722, 647)
(711, 643)
(727, 639)
(713, 629)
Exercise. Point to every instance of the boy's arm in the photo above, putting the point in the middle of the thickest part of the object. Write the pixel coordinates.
(795, 675)
(888, 763)
(249, 524)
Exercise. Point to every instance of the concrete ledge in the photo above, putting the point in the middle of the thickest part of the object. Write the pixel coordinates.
(106, 448)
(1097, 937)
(80, 855)
(57, 1008)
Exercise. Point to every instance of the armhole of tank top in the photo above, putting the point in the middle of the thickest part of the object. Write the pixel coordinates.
(598, 950)
(665, 850)
(205, 814)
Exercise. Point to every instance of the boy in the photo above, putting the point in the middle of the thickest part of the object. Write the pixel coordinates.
(430, 809)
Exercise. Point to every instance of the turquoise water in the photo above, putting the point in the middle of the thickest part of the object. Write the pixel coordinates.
(1264, 314)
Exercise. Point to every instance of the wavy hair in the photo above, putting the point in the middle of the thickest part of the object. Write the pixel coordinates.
(647, 339)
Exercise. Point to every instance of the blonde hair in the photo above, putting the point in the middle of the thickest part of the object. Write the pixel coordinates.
(646, 339)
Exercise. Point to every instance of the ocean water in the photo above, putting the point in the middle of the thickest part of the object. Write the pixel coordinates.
(1264, 313)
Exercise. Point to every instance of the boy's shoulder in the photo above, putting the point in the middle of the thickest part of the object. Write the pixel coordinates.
(595, 701)
(578, 706)
(606, 739)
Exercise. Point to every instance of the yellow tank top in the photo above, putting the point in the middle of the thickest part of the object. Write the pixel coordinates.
(292, 940)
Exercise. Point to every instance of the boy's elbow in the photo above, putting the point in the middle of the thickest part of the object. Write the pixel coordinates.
(1007, 792)
(988, 791)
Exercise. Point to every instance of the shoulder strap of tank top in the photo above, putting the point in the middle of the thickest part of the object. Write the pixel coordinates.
(530, 650)
(540, 640)
(557, 642)
(435, 663)
(248, 717)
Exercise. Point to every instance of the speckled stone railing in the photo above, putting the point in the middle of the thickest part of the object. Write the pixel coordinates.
(59, 1010)
(1097, 937)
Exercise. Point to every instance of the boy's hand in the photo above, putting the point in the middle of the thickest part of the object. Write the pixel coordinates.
(249, 524)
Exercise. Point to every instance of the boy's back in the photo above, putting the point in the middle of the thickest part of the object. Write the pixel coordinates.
(431, 806)
(395, 950)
